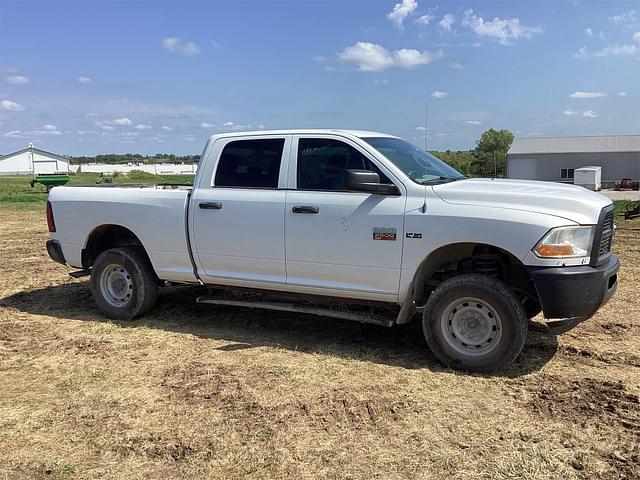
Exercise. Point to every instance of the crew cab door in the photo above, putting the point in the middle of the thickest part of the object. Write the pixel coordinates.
(340, 241)
(237, 211)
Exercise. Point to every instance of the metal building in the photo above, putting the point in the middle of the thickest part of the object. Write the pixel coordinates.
(555, 159)
(33, 161)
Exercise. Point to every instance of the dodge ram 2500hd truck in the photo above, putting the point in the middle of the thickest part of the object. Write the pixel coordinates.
(349, 224)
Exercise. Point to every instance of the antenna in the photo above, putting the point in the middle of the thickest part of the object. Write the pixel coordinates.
(426, 133)
(426, 121)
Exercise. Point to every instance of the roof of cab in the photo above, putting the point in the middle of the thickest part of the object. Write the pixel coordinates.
(309, 131)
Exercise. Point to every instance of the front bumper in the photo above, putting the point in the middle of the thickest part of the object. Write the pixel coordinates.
(574, 293)
(55, 251)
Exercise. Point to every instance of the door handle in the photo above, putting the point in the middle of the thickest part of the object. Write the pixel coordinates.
(305, 209)
(210, 205)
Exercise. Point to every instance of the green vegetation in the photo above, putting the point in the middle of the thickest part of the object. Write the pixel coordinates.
(16, 192)
(621, 206)
(489, 159)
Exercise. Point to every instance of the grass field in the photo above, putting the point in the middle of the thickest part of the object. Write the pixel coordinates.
(196, 391)
(16, 192)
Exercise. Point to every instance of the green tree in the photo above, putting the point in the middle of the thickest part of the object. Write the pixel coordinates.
(491, 153)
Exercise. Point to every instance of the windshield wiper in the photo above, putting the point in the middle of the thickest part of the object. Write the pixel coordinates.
(441, 179)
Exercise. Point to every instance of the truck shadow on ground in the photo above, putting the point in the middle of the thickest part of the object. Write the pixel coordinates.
(177, 311)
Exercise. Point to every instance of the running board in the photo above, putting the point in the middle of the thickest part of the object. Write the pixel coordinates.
(364, 314)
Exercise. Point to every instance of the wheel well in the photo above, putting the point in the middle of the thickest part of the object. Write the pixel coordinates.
(105, 237)
(454, 259)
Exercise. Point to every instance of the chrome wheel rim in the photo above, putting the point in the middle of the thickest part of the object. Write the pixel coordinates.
(116, 285)
(471, 327)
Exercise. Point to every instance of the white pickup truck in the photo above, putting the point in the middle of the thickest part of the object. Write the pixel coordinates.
(349, 224)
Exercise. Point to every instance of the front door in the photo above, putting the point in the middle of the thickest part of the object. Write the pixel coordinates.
(339, 240)
(237, 214)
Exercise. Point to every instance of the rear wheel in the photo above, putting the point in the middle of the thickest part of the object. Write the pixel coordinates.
(474, 322)
(123, 283)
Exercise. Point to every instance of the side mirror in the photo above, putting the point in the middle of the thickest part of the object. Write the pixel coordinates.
(368, 181)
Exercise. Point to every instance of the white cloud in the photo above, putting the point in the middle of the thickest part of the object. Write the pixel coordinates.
(206, 125)
(622, 94)
(636, 37)
(456, 66)
(106, 127)
(569, 113)
(439, 94)
(589, 114)
(588, 32)
(175, 45)
(17, 79)
(228, 124)
(424, 19)
(142, 126)
(420, 128)
(613, 50)
(49, 127)
(506, 30)
(370, 57)
(447, 22)
(401, 11)
(215, 44)
(627, 17)
(83, 79)
(13, 134)
(165, 127)
(319, 59)
(587, 94)
(11, 106)
(473, 122)
(121, 121)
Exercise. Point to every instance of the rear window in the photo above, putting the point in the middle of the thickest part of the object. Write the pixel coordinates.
(250, 164)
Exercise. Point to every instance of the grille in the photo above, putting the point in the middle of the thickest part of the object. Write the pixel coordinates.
(607, 234)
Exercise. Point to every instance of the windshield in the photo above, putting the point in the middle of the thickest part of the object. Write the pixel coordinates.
(421, 167)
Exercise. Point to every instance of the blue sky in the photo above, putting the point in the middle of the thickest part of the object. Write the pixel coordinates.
(146, 77)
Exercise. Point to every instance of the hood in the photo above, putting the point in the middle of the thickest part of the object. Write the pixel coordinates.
(561, 200)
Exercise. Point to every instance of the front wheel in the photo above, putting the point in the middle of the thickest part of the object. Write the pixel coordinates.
(123, 283)
(475, 323)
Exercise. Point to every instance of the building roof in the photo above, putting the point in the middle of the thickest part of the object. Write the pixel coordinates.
(36, 150)
(596, 144)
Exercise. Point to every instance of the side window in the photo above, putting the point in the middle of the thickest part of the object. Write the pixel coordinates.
(563, 173)
(323, 164)
(250, 164)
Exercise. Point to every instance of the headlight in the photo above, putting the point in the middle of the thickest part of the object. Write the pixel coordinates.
(564, 242)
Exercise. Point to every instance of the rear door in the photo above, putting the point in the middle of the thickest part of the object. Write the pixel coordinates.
(340, 241)
(237, 212)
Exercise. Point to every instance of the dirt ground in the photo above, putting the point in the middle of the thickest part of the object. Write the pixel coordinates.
(198, 391)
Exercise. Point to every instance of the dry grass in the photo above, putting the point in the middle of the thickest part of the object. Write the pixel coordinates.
(196, 391)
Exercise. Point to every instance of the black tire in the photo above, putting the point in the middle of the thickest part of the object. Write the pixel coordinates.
(134, 285)
(498, 318)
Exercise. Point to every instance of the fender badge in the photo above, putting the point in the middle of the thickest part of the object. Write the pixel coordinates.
(384, 233)
(414, 235)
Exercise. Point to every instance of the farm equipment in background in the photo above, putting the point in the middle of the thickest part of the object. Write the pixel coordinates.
(50, 180)
(632, 210)
(627, 184)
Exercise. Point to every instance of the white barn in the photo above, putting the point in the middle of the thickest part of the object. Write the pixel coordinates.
(32, 160)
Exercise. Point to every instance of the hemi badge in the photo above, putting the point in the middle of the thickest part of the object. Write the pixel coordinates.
(384, 233)
(414, 235)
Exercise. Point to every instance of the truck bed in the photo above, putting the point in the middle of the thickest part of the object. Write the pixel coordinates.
(154, 213)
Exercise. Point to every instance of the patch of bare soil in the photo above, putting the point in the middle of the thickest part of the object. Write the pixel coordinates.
(196, 391)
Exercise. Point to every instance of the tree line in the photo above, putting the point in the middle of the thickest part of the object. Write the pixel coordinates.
(488, 159)
(120, 158)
